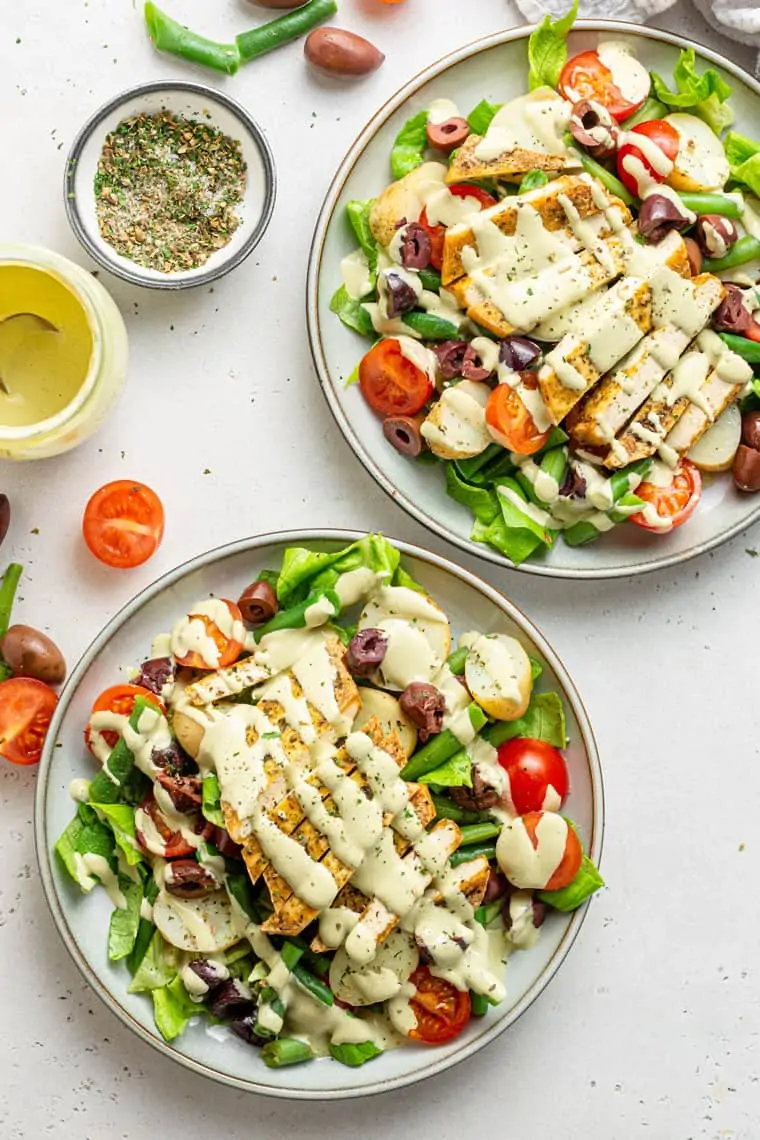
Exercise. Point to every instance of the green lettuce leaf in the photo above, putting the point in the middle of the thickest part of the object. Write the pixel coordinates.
(122, 930)
(533, 180)
(66, 850)
(411, 143)
(401, 578)
(705, 95)
(351, 312)
(751, 402)
(547, 49)
(211, 806)
(240, 889)
(516, 545)
(482, 501)
(173, 1008)
(121, 819)
(455, 773)
(582, 887)
(743, 156)
(304, 571)
(158, 967)
(521, 535)
(544, 719)
(354, 1055)
(480, 117)
(358, 215)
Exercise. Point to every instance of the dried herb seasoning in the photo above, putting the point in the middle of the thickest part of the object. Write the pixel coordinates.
(167, 189)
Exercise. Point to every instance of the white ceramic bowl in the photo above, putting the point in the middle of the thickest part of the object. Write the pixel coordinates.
(192, 101)
(83, 920)
(494, 68)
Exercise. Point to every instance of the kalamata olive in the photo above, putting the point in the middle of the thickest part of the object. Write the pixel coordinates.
(156, 673)
(450, 356)
(594, 128)
(574, 483)
(185, 792)
(5, 517)
(537, 918)
(715, 234)
(245, 1028)
(746, 469)
(425, 706)
(518, 352)
(416, 247)
(401, 296)
(403, 432)
(472, 366)
(339, 52)
(174, 759)
(732, 315)
(188, 879)
(258, 603)
(224, 843)
(496, 886)
(30, 653)
(365, 652)
(658, 216)
(751, 429)
(232, 1000)
(447, 136)
(212, 973)
(695, 256)
(480, 797)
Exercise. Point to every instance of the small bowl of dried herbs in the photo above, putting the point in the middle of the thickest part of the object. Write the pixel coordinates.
(170, 185)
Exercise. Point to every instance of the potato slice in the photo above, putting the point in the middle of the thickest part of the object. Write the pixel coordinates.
(404, 199)
(418, 631)
(189, 733)
(385, 707)
(716, 449)
(701, 162)
(198, 926)
(395, 961)
(455, 427)
(498, 675)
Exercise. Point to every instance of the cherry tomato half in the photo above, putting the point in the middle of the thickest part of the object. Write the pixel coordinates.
(437, 233)
(535, 770)
(586, 77)
(123, 523)
(442, 1011)
(674, 503)
(119, 699)
(26, 709)
(390, 383)
(509, 421)
(652, 161)
(228, 645)
(572, 857)
(174, 844)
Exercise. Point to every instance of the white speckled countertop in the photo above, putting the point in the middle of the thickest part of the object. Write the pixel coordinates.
(651, 1027)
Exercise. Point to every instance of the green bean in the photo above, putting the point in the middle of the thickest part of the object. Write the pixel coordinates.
(440, 748)
(456, 660)
(478, 1005)
(650, 109)
(626, 506)
(175, 39)
(354, 1055)
(480, 832)
(703, 203)
(283, 29)
(430, 279)
(447, 809)
(291, 954)
(581, 533)
(10, 582)
(745, 249)
(487, 913)
(314, 985)
(620, 480)
(294, 617)
(469, 467)
(465, 854)
(431, 327)
(285, 1051)
(607, 179)
(528, 488)
(749, 350)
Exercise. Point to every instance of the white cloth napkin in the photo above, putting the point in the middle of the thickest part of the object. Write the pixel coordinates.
(739, 21)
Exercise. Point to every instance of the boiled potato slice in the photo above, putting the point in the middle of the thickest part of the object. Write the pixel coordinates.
(455, 427)
(205, 925)
(395, 961)
(189, 733)
(701, 162)
(498, 675)
(404, 199)
(388, 711)
(716, 449)
(418, 632)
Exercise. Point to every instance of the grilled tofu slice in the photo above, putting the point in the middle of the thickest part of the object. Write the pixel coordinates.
(226, 683)
(510, 166)
(724, 385)
(619, 319)
(601, 414)
(546, 200)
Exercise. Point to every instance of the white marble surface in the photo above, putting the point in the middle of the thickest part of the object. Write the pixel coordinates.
(651, 1028)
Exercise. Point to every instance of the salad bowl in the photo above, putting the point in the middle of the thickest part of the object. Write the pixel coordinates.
(83, 920)
(495, 70)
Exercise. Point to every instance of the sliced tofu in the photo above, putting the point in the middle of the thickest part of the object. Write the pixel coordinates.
(723, 387)
(228, 682)
(546, 200)
(620, 318)
(510, 166)
(605, 410)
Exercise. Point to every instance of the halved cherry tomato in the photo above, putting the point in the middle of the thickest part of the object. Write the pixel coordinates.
(509, 421)
(442, 1011)
(229, 647)
(572, 857)
(676, 502)
(123, 523)
(437, 233)
(119, 699)
(653, 160)
(26, 709)
(175, 845)
(390, 383)
(586, 77)
(535, 768)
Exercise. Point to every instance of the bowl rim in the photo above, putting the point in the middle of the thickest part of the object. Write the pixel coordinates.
(45, 855)
(135, 276)
(319, 357)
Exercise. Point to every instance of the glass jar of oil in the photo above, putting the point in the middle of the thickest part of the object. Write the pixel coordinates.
(63, 353)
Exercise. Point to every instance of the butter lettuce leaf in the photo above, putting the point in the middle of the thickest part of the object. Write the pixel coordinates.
(122, 930)
(705, 95)
(306, 571)
(586, 882)
(544, 719)
(547, 49)
(480, 117)
(455, 773)
(358, 211)
(173, 1009)
(351, 312)
(410, 145)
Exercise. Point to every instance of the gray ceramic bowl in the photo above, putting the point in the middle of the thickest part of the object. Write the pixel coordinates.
(193, 101)
(83, 920)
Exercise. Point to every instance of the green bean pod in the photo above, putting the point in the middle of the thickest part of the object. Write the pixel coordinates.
(479, 832)
(465, 854)
(746, 249)
(174, 38)
(650, 109)
(314, 985)
(294, 617)
(704, 203)
(290, 26)
(285, 1051)
(440, 748)
(607, 179)
(749, 350)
